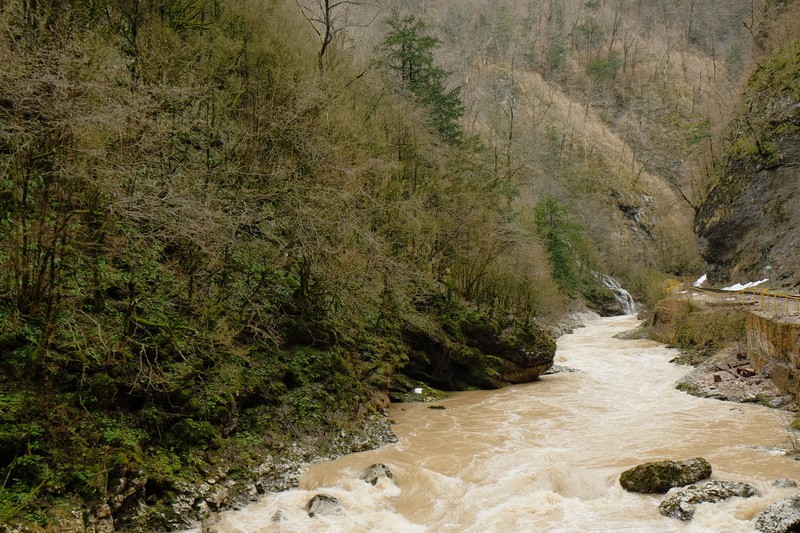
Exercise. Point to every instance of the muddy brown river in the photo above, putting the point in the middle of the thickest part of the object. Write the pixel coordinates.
(546, 456)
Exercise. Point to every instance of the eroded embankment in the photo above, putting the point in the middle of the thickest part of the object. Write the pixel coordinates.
(773, 345)
(741, 354)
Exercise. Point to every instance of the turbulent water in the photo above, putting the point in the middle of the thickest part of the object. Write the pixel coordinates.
(626, 303)
(546, 456)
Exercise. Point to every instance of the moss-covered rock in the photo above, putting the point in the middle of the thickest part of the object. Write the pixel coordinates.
(660, 476)
(462, 347)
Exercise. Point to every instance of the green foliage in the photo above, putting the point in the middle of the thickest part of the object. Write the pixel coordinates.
(408, 51)
(590, 33)
(779, 75)
(557, 52)
(15, 504)
(734, 60)
(698, 331)
(211, 247)
(707, 331)
(564, 242)
(770, 116)
(504, 28)
(700, 132)
(604, 69)
(648, 285)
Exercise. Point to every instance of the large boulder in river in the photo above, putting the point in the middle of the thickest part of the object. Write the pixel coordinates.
(660, 476)
(374, 472)
(681, 502)
(781, 516)
(322, 504)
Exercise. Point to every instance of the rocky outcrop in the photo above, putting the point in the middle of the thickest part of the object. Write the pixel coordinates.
(576, 317)
(466, 348)
(780, 517)
(682, 502)
(660, 476)
(137, 503)
(751, 218)
(773, 344)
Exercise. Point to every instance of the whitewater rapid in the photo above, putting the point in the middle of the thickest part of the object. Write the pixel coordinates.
(546, 456)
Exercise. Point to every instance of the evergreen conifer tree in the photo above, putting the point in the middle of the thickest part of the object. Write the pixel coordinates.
(408, 51)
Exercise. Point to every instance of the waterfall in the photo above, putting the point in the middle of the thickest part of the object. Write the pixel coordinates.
(626, 303)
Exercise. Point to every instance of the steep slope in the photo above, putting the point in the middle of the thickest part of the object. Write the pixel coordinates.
(751, 220)
(216, 250)
(614, 108)
(217, 243)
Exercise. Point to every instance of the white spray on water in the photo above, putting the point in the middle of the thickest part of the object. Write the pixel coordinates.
(626, 303)
(545, 456)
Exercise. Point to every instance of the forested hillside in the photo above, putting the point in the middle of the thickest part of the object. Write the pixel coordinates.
(215, 243)
(228, 226)
(618, 109)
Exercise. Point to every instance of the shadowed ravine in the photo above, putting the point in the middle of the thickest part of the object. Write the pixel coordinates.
(547, 456)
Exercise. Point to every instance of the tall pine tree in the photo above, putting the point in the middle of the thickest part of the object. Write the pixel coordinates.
(408, 51)
(564, 242)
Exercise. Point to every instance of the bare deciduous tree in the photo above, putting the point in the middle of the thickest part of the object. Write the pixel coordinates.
(328, 18)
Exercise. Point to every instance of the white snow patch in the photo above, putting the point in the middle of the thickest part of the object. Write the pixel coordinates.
(700, 280)
(418, 390)
(741, 287)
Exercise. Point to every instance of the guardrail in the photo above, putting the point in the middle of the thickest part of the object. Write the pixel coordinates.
(787, 303)
(762, 299)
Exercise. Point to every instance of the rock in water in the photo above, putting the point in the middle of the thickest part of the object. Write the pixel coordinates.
(781, 516)
(322, 504)
(374, 472)
(660, 476)
(681, 502)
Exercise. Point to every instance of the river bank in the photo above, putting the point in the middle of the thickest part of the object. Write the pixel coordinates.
(546, 456)
(740, 354)
(129, 510)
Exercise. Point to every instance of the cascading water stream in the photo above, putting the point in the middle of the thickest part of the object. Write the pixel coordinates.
(626, 303)
(546, 456)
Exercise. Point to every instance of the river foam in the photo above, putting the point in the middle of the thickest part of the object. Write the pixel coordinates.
(546, 456)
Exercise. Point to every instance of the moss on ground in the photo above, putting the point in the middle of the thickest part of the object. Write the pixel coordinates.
(770, 95)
